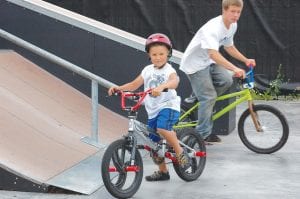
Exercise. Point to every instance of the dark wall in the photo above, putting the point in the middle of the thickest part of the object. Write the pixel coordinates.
(106, 58)
(267, 29)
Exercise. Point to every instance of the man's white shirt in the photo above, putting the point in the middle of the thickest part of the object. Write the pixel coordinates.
(211, 35)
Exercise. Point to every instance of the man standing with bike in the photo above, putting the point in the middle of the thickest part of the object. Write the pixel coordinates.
(206, 68)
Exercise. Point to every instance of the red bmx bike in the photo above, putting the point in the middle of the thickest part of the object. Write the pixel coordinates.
(122, 163)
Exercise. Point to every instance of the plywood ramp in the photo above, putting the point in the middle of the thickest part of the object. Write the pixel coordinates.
(42, 120)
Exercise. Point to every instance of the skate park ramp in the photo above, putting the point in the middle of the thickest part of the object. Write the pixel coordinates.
(43, 120)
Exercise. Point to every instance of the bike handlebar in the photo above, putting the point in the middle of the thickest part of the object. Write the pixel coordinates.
(139, 96)
(249, 78)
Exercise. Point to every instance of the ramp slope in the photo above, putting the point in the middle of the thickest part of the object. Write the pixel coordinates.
(42, 121)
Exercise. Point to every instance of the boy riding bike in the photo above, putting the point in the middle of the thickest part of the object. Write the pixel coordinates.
(163, 108)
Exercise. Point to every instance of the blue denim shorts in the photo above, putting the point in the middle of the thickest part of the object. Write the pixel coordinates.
(165, 119)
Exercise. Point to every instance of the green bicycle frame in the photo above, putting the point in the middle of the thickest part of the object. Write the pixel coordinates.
(244, 95)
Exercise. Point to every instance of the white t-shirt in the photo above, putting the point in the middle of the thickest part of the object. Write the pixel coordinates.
(152, 78)
(211, 35)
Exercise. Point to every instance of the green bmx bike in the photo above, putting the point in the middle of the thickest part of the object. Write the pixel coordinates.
(262, 128)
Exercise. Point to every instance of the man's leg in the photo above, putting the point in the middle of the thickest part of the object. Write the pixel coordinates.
(204, 89)
(222, 79)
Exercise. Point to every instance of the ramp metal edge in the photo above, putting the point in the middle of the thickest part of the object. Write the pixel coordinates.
(84, 177)
(89, 24)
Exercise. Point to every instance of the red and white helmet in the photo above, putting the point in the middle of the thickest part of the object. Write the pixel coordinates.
(158, 38)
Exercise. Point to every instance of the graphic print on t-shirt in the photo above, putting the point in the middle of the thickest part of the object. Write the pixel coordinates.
(153, 78)
(156, 80)
(225, 39)
(222, 40)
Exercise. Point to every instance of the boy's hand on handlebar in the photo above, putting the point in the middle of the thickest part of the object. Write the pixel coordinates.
(250, 62)
(156, 91)
(112, 90)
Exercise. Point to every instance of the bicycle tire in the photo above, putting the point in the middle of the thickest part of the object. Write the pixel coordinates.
(117, 156)
(275, 129)
(195, 141)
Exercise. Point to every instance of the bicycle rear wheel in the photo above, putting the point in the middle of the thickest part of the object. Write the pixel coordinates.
(274, 129)
(189, 137)
(121, 179)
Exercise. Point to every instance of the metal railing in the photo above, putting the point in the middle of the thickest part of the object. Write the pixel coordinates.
(95, 80)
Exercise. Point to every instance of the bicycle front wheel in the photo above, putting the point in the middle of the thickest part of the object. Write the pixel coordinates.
(121, 179)
(273, 133)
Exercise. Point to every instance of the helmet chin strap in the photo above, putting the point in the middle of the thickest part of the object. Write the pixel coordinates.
(170, 53)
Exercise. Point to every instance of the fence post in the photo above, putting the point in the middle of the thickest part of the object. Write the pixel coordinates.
(94, 110)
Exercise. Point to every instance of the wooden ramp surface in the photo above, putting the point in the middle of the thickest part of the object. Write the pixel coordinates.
(42, 120)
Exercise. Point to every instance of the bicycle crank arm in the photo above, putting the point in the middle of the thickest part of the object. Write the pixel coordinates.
(193, 154)
(186, 146)
(127, 169)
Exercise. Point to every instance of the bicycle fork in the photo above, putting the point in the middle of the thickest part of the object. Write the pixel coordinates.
(131, 167)
(131, 142)
(254, 117)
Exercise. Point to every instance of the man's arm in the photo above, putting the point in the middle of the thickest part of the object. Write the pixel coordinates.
(222, 61)
(235, 53)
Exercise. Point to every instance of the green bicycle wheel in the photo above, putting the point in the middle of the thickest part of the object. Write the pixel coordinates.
(274, 131)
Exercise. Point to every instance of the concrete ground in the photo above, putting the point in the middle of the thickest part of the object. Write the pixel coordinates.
(232, 171)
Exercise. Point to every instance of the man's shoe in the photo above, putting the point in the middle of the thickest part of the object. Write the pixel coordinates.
(213, 139)
(184, 160)
(158, 176)
(191, 99)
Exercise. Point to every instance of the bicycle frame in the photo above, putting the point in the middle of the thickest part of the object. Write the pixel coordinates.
(139, 130)
(122, 163)
(244, 95)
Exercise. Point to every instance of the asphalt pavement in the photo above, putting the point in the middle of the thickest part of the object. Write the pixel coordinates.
(232, 171)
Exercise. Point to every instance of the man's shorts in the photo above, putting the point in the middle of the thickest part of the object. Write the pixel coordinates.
(165, 119)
